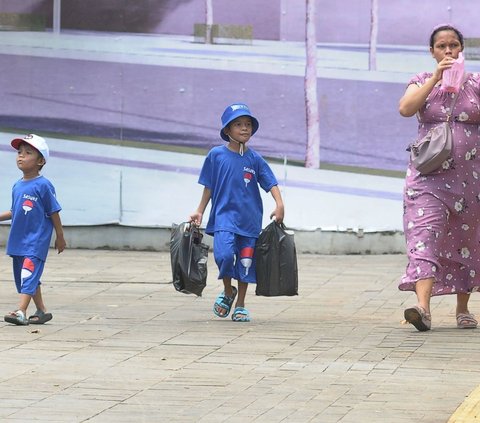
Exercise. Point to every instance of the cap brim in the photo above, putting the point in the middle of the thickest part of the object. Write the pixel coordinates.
(16, 143)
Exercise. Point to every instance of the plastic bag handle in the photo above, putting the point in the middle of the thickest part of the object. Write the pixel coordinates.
(281, 225)
(191, 226)
(194, 230)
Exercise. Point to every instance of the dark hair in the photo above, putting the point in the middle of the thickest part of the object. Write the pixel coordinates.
(445, 27)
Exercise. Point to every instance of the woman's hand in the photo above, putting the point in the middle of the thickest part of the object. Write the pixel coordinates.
(445, 63)
(415, 95)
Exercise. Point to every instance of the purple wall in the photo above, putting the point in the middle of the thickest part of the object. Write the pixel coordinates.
(23, 6)
(359, 121)
(400, 22)
(264, 18)
(144, 103)
(406, 22)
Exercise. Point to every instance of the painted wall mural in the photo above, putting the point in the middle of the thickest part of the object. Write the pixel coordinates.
(135, 71)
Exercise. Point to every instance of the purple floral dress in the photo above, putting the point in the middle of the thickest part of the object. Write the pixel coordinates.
(442, 210)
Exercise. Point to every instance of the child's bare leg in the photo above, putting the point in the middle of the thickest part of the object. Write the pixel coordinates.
(227, 286)
(38, 299)
(242, 292)
(24, 302)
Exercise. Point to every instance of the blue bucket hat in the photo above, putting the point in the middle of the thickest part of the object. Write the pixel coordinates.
(234, 111)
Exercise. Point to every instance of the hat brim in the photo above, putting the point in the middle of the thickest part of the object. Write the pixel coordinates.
(234, 116)
(16, 143)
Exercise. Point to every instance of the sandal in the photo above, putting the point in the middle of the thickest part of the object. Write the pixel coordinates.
(466, 321)
(419, 318)
(16, 318)
(240, 314)
(39, 318)
(224, 302)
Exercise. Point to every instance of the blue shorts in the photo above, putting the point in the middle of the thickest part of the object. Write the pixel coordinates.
(27, 272)
(235, 256)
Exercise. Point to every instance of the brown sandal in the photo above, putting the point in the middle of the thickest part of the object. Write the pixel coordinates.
(419, 318)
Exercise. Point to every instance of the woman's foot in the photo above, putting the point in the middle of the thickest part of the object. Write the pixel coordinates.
(466, 321)
(419, 318)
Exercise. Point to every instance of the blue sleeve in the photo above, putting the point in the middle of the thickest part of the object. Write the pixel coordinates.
(205, 177)
(49, 199)
(266, 178)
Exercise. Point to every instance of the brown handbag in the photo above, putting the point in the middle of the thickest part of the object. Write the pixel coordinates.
(429, 153)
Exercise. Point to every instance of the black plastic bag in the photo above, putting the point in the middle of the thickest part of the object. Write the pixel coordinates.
(276, 256)
(189, 257)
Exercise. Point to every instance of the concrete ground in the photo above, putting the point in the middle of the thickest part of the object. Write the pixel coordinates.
(124, 346)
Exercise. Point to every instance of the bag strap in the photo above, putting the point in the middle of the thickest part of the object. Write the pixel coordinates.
(193, 231)
(454, 99)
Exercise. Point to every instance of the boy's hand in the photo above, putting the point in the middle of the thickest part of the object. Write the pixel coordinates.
(60, 244)
(196, 218)
(278, 214)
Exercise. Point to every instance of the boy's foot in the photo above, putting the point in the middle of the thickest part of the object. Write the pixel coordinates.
(17, 318)
(240, 314)
(39, 318)
(223, 303)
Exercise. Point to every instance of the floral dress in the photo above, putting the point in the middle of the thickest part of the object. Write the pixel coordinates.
(442, 209)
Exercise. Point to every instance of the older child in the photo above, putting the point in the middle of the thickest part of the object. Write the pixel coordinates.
(34, 214)
(231, 176)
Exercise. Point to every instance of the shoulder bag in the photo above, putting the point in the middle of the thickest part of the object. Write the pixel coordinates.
(428, 153)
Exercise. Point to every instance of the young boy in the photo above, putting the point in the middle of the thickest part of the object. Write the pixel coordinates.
(34, 214)
(231, 176)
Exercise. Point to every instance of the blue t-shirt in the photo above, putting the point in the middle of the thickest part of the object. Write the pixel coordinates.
(234, 180)
(33, 202)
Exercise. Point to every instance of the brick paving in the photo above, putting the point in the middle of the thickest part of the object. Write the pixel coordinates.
(124, 346)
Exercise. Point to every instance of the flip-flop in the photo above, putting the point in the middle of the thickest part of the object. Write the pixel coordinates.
(39, 318)
(225, 302)
(16, 318)
(240, 314)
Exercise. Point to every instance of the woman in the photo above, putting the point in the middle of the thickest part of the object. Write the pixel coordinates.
(442, 209)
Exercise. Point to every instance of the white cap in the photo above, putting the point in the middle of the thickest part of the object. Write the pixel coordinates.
(35, 141)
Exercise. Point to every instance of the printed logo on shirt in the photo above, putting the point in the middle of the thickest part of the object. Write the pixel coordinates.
(248, 175)
(27, 206)
(29, 202)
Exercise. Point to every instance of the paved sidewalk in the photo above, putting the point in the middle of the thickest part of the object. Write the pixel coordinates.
(124, 346)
